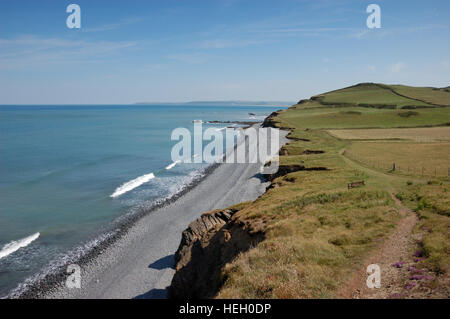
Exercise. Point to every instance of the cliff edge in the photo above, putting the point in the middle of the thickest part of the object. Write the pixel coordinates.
(209, 243)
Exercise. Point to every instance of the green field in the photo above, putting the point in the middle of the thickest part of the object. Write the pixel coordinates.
(422, 134)
(415, 159)
(360, 117)
(384, 96)
(317, 232)
(426, 94)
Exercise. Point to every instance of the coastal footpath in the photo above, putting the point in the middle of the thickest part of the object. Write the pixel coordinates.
(336, 206)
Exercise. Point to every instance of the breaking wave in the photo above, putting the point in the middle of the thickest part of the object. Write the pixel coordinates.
(173, 165)
(128, 186)
(14, 246)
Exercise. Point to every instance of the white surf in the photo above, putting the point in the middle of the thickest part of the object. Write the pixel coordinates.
(128, 186)
(14, 246)
(173, 165)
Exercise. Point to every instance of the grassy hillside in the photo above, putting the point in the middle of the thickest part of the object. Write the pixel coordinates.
(360, 117)
(385, 96)
(426, 94)
(317, 231)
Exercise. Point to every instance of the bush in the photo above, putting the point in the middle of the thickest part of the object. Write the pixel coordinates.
(408, 114)
(413, 107)
(379, 106)
(351, 113)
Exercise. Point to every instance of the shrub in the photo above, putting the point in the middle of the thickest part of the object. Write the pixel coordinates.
(351, 113)
(408, 114)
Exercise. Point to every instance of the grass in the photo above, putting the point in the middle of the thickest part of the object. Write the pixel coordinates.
(410, 158)
(371, 95)
(317, 231)
(426, 94)
(383, 96)
(310, 246)
(433, 134)
(359, 117)
(432, 203)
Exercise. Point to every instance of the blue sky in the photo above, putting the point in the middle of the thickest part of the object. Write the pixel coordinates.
(167, 50)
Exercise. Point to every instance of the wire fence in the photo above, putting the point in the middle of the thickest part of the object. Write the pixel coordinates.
(398, 167)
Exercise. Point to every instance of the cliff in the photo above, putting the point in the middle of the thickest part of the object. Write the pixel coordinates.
(209, 243)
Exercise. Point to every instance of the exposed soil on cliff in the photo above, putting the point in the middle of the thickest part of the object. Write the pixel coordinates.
(208, 244)
(286, 169)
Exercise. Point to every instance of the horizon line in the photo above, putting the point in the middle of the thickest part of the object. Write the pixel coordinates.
(152, 103)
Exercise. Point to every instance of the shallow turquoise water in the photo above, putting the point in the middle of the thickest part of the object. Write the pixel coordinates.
(60, 164)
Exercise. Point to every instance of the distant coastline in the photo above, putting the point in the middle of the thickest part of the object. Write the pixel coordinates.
(224, 103)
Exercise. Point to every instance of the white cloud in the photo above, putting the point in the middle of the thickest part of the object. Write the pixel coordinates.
(192, 58)
(29, 51)
(307, 30)
(397, 67)
(111, 26)
(359, 34)
(372, 68)
(222, 43)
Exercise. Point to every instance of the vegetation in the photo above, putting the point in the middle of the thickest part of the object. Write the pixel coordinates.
(317, 231)
(426, 94)
(432, 203)
(408, 114)
(360, 117)
(382, 96)
(432, 134)
(429, 159)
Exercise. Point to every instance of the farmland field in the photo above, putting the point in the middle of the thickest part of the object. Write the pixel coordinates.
(430, 95)
(369, 94)
(428, 134)
(360, 117)
(410, 158)
(317, 231)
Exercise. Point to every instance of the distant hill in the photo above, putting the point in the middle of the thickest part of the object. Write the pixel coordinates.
(228, 103)
(378, 95)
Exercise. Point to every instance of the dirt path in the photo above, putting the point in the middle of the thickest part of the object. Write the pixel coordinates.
(398, 249)
(402, 275)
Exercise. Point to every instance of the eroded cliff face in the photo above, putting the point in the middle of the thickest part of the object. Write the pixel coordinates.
(214, 240)
(209, 243)
(270, 120)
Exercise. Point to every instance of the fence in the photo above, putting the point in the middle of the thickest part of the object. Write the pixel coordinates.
(398, 167)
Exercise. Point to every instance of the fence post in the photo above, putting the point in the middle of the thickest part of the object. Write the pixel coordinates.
(393, 167)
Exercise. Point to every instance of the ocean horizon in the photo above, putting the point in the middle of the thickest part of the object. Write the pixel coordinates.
(69, 172)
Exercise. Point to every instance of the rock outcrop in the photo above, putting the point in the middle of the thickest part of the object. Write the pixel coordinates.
(208, 244)
(286, 169)
(307, 152)
(269, 121)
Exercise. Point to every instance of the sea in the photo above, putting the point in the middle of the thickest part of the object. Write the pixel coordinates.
(69, 173)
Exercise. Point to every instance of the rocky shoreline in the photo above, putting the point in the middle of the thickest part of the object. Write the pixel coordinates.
(51, 284)
(214, 240)
(42, 285)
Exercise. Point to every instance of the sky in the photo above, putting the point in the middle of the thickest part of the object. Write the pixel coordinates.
(129, 51)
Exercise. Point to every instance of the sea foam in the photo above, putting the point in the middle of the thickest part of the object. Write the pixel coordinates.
(13, 246)
(128, 186)
(173, 165)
